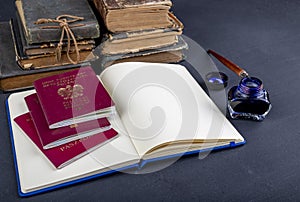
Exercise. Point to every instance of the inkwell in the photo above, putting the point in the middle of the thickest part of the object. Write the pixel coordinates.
(249, 99)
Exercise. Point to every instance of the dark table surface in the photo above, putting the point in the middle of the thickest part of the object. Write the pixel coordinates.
(263, 37)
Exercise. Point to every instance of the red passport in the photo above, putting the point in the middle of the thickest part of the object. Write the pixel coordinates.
(73, 97)
(55, 137)
(65, 154)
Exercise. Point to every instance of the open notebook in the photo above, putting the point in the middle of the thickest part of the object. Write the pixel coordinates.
(162, 113)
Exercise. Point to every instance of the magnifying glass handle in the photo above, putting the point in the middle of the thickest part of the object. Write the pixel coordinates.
(235, 68)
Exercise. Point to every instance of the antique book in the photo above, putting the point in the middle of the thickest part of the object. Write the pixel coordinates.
(49, 48)
(50, 60)
(169, 54)
(12, 77)
(157, 119)
(73, 97)
(127, 15)
(162, 57)
(67, 153)
(45, 48)
(55, 137)
(44, 60)
(81, 20)
(135, 41)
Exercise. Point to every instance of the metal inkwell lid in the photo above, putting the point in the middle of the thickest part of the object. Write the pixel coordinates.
(216, 80)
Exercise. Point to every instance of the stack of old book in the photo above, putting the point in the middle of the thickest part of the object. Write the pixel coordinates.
(46, 38)
(67, 115)
(142, 30)
(54, 33)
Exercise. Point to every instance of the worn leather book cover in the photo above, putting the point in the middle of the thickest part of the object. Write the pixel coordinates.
(83, 22)
(12, 77)
(44, 60)
(128, 15)
(55, 137)
(46, 47)
(135, 41)
(73, 97)
(65, 154)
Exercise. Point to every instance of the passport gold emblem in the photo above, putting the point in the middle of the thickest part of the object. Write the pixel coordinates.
(70, 92)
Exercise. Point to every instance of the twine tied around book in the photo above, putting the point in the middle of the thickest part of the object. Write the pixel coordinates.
(64, 25)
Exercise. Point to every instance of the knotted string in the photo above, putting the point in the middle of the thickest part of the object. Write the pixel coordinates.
(65, 27)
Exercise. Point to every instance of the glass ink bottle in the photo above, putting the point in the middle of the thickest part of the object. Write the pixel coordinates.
(249, 100)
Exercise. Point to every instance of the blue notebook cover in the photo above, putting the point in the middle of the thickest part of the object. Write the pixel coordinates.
(134, 166)
(126, 151)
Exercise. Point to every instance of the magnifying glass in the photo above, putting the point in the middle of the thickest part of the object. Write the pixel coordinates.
(248, 100)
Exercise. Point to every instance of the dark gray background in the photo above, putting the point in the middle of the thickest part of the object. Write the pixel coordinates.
(263, 37)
